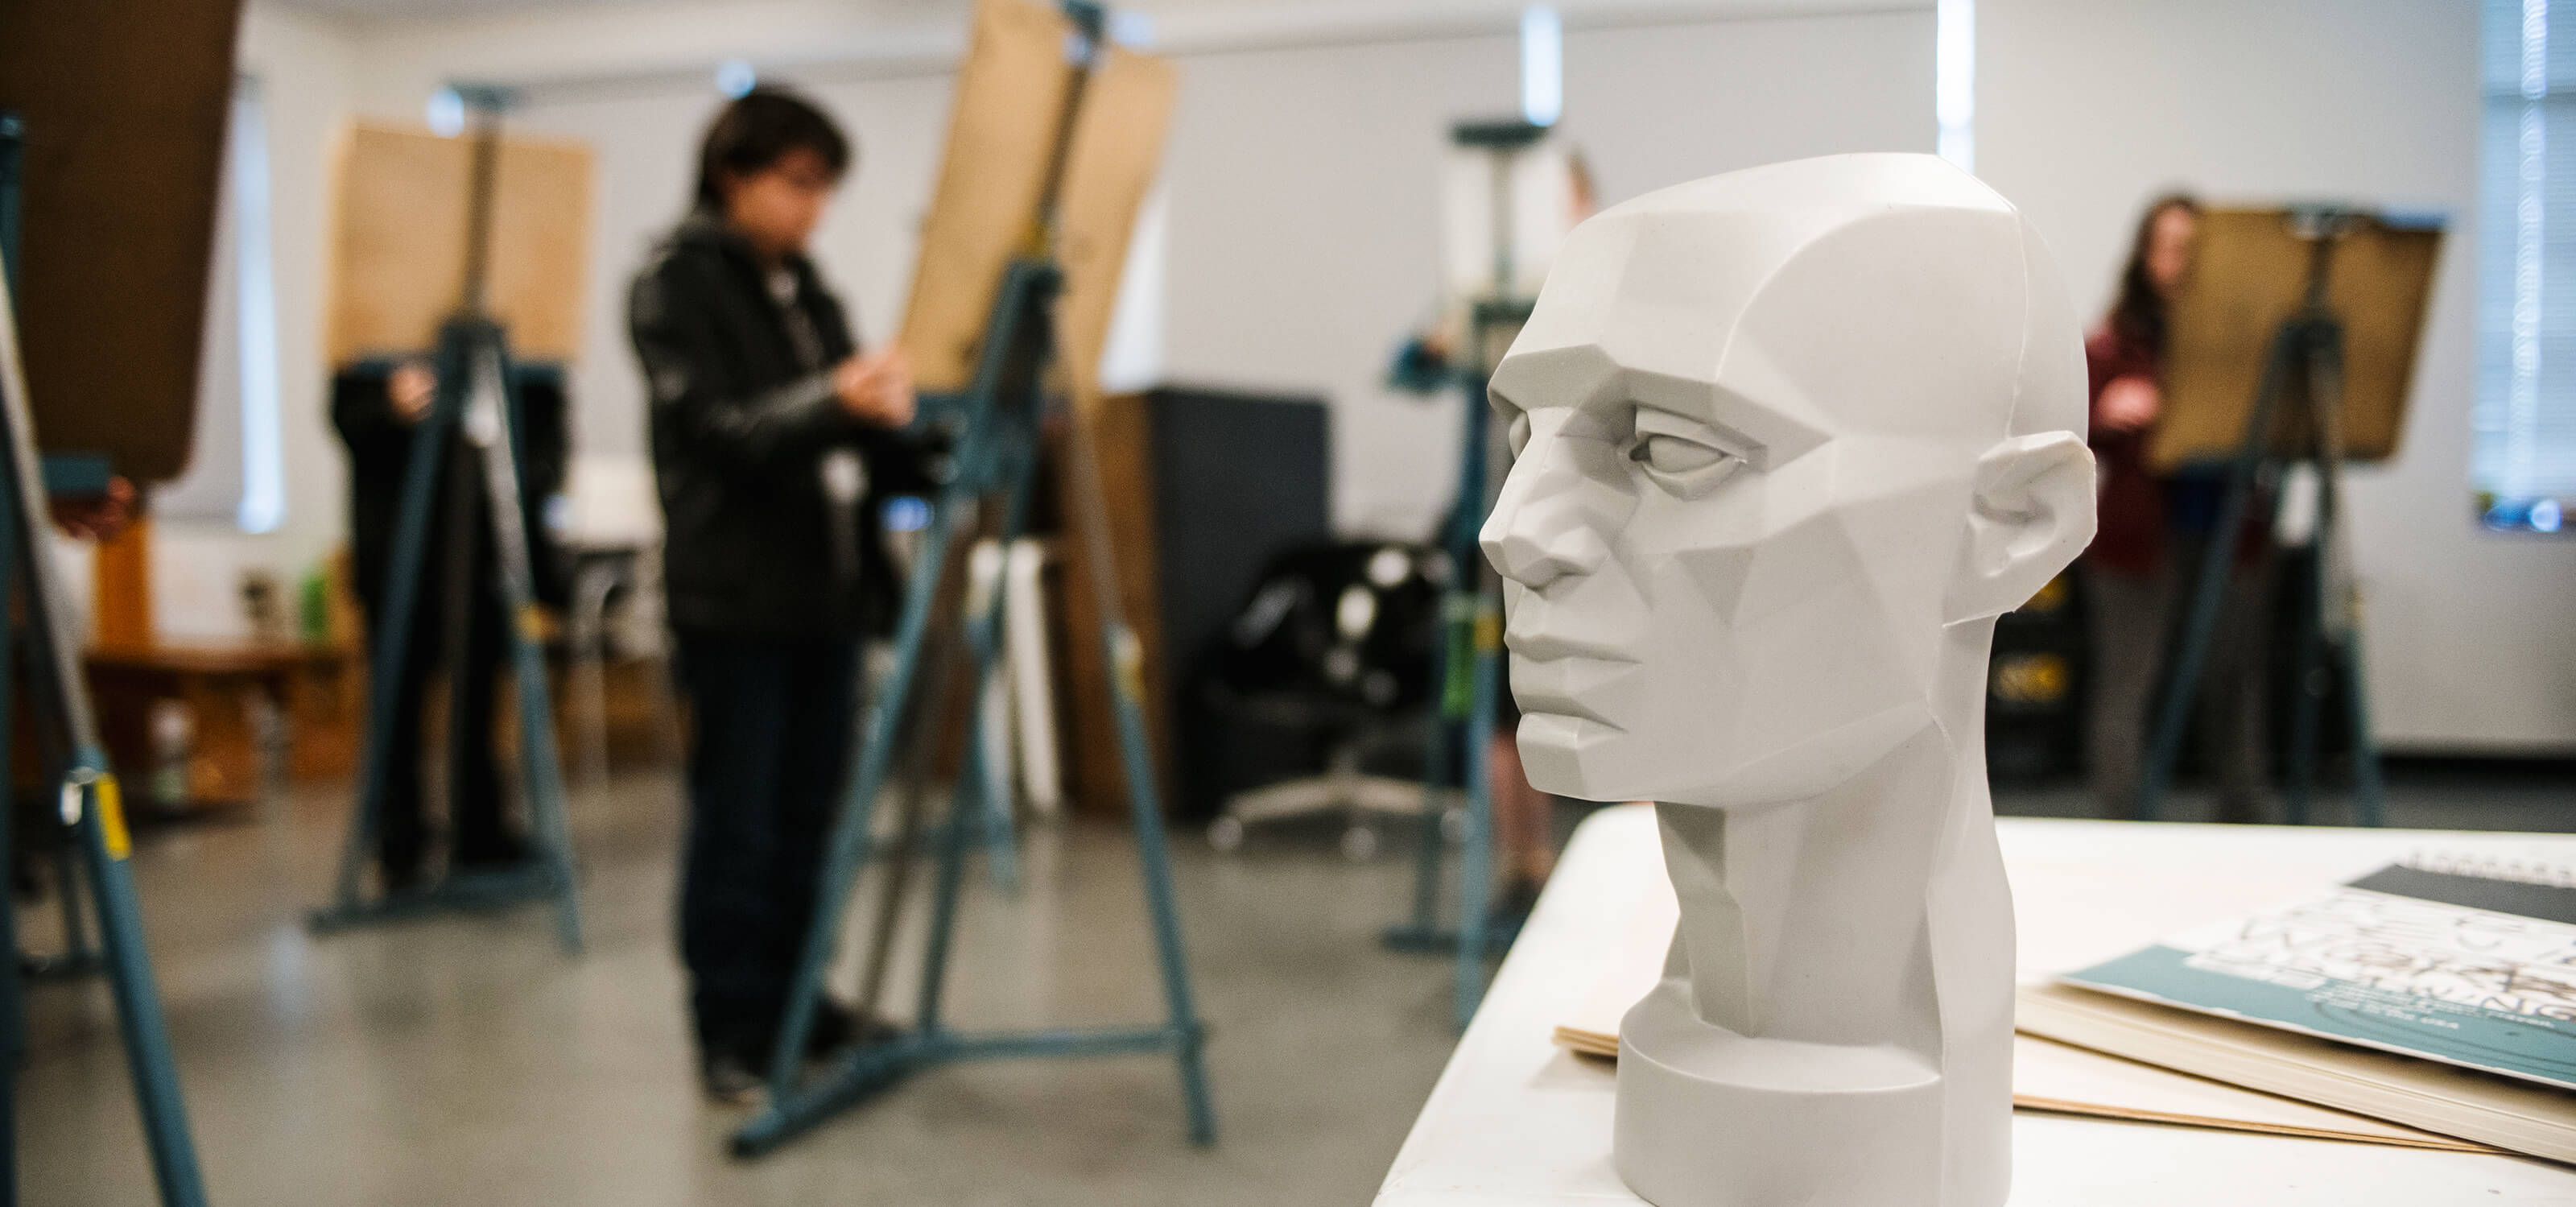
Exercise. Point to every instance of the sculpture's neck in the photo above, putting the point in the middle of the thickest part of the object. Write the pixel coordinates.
(1814, 919)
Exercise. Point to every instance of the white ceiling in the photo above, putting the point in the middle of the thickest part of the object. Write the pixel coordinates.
(902, 12)
(449, 10)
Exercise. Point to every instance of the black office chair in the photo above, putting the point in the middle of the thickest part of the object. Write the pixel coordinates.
(1315, 698)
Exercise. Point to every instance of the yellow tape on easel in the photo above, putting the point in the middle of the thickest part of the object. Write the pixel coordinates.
(1129, 667)
(111, 817)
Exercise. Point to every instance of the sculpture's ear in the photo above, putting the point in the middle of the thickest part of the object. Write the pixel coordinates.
(2033, 512)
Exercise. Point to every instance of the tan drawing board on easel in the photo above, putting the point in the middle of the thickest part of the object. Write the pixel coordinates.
(1011, 95)
(2247, 277)
(1117, 145)
(398, 241)
(1011, 99)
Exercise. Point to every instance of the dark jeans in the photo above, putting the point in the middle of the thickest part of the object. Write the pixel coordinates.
(771, 728)
(2136, 623)
(473, 777)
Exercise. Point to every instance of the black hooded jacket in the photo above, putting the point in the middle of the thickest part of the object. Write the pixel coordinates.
(380, 448)
(742, 421)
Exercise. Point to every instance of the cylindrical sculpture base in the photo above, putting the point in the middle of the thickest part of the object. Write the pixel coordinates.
(1710, 1118)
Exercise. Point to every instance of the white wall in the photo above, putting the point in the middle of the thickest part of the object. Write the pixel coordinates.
(307, 70)
(1303, 209)
(645, 145)
(1302, 177)
(2086, 107)
(1305, 199)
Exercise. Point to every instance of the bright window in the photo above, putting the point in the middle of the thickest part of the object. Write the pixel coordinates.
(2523, 462)
(238, 473)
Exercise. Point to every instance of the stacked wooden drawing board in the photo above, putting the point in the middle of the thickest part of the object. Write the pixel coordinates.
(124, 105)
(2086, 1053)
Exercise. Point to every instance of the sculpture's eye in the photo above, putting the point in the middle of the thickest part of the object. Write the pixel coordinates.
(1675, 454)
(1680, 455)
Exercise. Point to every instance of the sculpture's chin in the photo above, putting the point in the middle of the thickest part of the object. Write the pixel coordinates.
(1589, 760)
(1577, 757)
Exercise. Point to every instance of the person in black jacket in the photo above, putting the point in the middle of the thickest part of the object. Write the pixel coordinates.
(375, 405)
(774, 442)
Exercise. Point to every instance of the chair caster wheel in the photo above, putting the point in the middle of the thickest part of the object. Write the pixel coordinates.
(1225, 834)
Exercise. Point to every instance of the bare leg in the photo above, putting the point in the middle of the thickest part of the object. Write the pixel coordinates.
(1523, 830)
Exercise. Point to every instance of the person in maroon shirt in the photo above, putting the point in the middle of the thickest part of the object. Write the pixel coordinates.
(2151, 535)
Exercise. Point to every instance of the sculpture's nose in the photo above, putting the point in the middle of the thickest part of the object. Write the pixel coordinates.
(1540, 531)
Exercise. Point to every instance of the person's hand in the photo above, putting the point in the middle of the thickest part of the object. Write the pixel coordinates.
(876, 389)
(410, 389)
(2129, 404)
(96, 517)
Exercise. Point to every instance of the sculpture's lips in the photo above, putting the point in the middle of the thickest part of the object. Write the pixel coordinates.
(1540, 646)
(1564, 685)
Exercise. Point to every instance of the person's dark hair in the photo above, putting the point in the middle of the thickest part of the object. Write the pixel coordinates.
(2138, 314)
(758, 128)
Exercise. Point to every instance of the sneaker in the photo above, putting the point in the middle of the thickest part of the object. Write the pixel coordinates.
(837, 1026)
(498, 852)
(729, 1080)
(400, 874)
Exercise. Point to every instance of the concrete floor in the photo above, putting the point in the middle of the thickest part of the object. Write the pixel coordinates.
(468, 1061)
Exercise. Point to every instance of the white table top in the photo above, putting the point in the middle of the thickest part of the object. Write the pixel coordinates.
(1517, 1121)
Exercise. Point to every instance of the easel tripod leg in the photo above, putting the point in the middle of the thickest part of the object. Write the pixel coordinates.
(13, 978)
(2325, 388)
(2305, 666)
(1153, 850)
(540, 760)
(955, 834)
(1422, 932)
(98, 817)
(138, 1000)
(994, 805)
(2370, 793)
(852, 834)
(965, 808)
(544, 775)
(390, 635)
(2209, 589)
(79, 952)
(1476, 853)
(969, 802)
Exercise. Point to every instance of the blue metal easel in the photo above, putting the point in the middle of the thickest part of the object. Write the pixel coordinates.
(995, 423)
(90, 808)
(70, 474)
(476, 408)
(2306, 348)
(1467, 661)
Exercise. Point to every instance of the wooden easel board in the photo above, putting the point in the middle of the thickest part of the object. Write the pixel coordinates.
(1111, 160)
(125, 104)
(2246, 278)
(398, 243)
(1011, 95)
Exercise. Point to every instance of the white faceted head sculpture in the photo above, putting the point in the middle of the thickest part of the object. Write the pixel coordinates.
(1788, 440)
(1754, 416)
